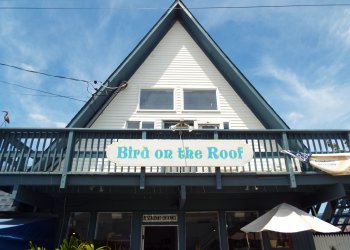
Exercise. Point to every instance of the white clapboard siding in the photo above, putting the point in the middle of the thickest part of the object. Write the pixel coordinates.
(178, 63)
(332, 242)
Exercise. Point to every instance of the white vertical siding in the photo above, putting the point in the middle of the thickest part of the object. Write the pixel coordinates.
(177, 62)
(332, 242)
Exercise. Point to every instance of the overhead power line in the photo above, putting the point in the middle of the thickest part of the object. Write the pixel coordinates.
(50, 75)
(42, 91)
(193, 8)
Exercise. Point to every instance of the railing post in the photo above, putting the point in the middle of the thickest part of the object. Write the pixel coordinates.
(285, 145)
(68, 159)
(143, 169)
(349, 141)
(217, 169)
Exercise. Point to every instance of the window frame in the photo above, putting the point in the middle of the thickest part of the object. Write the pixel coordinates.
(201, 89)
(156, 89)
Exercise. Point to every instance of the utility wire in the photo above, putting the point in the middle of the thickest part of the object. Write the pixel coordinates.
(46, 74)
(42, 91)
(193, 8)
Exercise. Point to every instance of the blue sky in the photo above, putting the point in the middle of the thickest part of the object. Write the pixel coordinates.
(297, 58)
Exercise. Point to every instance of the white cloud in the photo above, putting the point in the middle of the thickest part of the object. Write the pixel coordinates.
(293, 118)
(340, 27)
(307, 105)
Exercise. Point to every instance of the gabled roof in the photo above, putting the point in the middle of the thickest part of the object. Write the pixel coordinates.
(178, 12)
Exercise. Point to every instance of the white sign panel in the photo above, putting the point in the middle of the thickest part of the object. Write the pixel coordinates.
(175, 153)
(159, 218)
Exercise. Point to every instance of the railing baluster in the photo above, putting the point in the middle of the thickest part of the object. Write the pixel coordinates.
(16, 149)
(9, 147)
(56, 140)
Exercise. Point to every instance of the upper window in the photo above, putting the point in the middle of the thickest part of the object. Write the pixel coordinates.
(157, 99)
(138, 125)
(200, 100)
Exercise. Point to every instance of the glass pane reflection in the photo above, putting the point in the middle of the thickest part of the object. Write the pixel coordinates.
(236, 238)
(202, 231)
(78, 225)
(114, 230)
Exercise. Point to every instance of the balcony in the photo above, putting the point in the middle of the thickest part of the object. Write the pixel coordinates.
(78, 157)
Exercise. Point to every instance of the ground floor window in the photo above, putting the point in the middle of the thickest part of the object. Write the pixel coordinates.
(280, 240)
(114, 230)
(202, 231)
(78, 225)
(236, 238)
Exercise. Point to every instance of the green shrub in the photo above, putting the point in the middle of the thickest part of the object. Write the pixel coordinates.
(71, 244)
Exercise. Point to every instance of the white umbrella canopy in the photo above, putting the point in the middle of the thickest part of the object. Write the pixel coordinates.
(285, 218)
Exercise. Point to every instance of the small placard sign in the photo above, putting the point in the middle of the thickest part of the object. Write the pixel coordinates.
(159, 218)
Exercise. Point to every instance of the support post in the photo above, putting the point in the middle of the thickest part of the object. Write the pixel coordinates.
(68, 159)
(218, 178)
(285, 144)
(223, 231)
(135, 241)
(182, 230)
(143, 169)
(182, 197)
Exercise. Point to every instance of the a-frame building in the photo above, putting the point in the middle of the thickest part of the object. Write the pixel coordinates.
(176, 94)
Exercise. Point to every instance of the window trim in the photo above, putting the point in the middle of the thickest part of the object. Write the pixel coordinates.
(139, 109)
(201, 89)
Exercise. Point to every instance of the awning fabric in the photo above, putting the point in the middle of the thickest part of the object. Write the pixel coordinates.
(286, 218)
(15, 233)
(334, 164)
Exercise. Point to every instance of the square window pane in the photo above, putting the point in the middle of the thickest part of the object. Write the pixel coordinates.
(202, 231)
(148, 125)
(113, 229)
(78, 225)
(208, 126)
(226, 125)
(157, 99)
(133, 124)
(200, 100)
(237, 238)
(167, 124)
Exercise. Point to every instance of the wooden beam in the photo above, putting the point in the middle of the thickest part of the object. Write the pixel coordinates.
(328, 193)
(35, 199)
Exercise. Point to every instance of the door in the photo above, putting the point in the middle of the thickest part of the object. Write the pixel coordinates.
(159, 238)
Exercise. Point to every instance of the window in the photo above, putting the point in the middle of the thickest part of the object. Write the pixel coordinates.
(148, 125)
(202, 231)
(167, 124)
(78, 225)
(113, 229)
(208, 126)
(157, 99)
(226, 125)
(133, 124)
(200, 100)
(138, 125)
(237, 239)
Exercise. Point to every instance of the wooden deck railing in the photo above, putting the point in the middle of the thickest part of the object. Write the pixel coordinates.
(83, 150)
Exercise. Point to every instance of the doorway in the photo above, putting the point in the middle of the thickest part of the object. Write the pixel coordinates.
(159, 238)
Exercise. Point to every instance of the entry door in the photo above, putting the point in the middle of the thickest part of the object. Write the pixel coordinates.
(159, 238)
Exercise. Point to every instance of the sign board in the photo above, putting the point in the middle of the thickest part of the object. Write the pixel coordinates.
(159, 218)
(178, 153)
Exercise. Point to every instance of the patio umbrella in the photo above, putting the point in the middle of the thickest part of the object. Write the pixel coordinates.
(285, 218)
